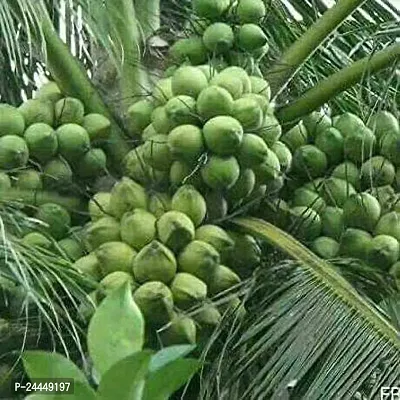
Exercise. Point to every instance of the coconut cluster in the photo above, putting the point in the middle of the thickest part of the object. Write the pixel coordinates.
(49, 142)
(160, 245)
(342, 193)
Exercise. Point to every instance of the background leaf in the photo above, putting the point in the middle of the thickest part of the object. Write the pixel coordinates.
(125, 380)
(171, 353)
(116, 330)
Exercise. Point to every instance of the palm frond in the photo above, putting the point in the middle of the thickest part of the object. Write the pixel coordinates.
(307, 335)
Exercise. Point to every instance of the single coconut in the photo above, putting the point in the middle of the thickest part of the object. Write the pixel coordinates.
(37, 239)
(181, 110)
(57, 174)
(347, 123)
(383, 252)
(253, 150)
(349, 172)
(377, 171)
(308, 198)
(220, 173)
(248, 112)
(306, 223)
(175, 230)
(336, 191)
(187, 290)
(230, 82)
(223, 135)
(29, 179)
(243, 187)
(214, 101)
(390, 148)
(182, 330)
(389, 224)
(284, 155)
(325, 247)
(316, 122)
(218, 38)
(14, 152)
(331, 142)
(188, 80)
(73, 249)
(88, 265)
(159, 203)
(383, 122)
(199, 259)
(260, 86)
(112, 282)
(92, 165)
(5, 181)
(208, 317)
(210, 9)
(42, 141)
(154, 262)
(217, 206)
(148, 132)
(309, 162)
(269, 170)
(11, 121)
(190, 49)
(296, 137)
(105, 229)
(359, 145)
(73, 141)
(49, 92)
(162, 91)
(156, 152)
(222, 279)
(69, 111)
(161, 121)
(332, 222)
(115, 256)
(355, 243)
(139, 116)
(138, 228)
(35, 111)
(182, 173)
(216, 236)
(250, 11)
(251, 37)
(270, 130)
(56, 218)
(97, 126)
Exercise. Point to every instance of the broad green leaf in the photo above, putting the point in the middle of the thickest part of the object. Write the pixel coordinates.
(125, 380)
(171, 353)
(42, 364)
(116, 330)
(82, 391)
(162, 383)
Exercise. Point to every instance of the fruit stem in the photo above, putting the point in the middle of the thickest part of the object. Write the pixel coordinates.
(302, 49)
(337, 83)
(73, 80)
(36, 198)
(148, 15)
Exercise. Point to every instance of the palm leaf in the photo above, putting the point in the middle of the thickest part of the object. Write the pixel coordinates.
(308, 334)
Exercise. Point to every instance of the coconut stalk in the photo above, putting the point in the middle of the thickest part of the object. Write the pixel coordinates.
(293, 58)
(337, 83)
(148, 15)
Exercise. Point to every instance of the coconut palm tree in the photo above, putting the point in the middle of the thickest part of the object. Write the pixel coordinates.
(308, 333)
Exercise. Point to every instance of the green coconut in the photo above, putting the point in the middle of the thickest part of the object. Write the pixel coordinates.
(56, 218)
(135, 167)
(251, 37)
(217, 206)
(186, 143)
(182, 330)
(316, 122)
(383, 252)
(29, 179)
(390, 148)
(214, 101)
(336, 191)
(262, 101)
(5, 181)
(230, 82)
(233, 307)
(148, 132)
(88, 265)
(362, 211)
(159, 203)
(284, 155)
(138, 228)
(156, 152)
(377, 171)
(155, 302)
(49, 92)
(190, 202)
(253, 151)
(275, 211)
(115, 256)
(35, 111)
(220, 173)
(223, 135)
(383, 122)
(218, 38)
(210, 9)
(72, 248)
(11, 121)
(112, 282)
(162, 91)
(42, 141)
(175, 230)
(189, 81)
(386, 196)
(296, 137)
(182, 173)
(332, 222)
(248, 112)
(57, 174)
(105, 229)
(37, 239)
(181, 110)
(209, 70)
(260, 86)
(92, 164)
(395, 272)
(208, 317)
(250, 11)
(127, 195)
(325, 247)
(306, 223)
(243, 187)
(331, 142)
(69, 111)
(359, 145)
(349, 172)
(14, 152)
(270, 130)
(97, 126)
(216, 236)
(199, 259)
(154, 262)
(73, 141)
(347, 123)
(309, 162)
(269, 170)
(161, 122)
(190, 49)
(389, 224)
(139, 116)
(308, 198)
(187, 290)
(315, 185)
(222, 279)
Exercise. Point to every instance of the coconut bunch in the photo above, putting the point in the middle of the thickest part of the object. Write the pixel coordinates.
(50, 143)
(342, 194)
(215, 131)
(222, 33)
(162, 247)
